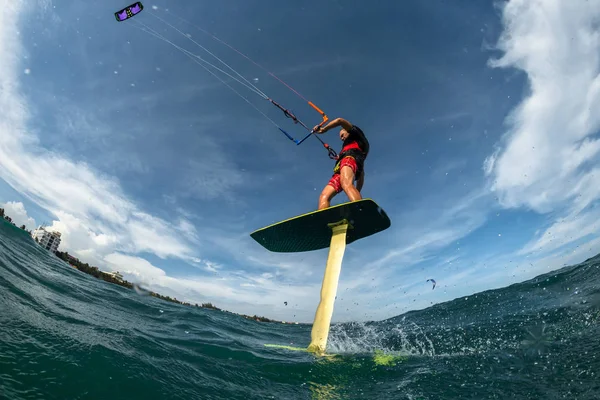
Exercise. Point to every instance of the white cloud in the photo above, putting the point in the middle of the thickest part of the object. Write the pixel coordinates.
(551, 142)
(16, 211)
(244, 293)
(568, 256)
(547, 160)
(435, 228)
(96, 205)
(564, 231)
(134, 266)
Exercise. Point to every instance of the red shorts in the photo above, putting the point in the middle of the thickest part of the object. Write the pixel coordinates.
(335, 180)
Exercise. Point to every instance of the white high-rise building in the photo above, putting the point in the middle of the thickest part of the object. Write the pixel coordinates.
(48, 240)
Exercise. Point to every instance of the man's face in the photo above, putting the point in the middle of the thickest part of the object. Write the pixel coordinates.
(344, 134)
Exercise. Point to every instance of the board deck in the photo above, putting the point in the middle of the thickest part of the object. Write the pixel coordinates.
(311, 231)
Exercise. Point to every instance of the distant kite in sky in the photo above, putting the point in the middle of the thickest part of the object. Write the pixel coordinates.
(129, 11)
(433, 281)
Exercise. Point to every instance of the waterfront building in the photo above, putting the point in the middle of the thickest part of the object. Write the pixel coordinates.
(48, 240)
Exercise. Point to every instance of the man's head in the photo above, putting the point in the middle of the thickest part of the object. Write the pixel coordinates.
(344, 134)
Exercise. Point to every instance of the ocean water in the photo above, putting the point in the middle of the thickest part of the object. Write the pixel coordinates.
(67, 335)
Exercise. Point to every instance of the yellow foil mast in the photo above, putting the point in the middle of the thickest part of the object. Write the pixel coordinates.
(320, 330)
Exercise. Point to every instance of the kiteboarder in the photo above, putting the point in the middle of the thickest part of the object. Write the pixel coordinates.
(350, 162)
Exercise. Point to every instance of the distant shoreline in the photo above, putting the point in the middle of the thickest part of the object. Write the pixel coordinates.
(94, 271)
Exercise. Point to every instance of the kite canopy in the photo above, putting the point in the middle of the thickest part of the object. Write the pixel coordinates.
(432, 281)
(129, 11)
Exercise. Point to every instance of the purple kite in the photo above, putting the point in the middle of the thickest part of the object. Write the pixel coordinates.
(129, 11)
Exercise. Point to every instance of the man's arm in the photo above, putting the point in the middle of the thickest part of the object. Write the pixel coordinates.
(336, 122)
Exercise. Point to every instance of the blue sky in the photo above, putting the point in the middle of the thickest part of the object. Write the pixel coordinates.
(480, 115)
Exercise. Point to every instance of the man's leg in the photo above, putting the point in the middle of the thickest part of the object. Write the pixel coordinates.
(329, 191)
(347, 183)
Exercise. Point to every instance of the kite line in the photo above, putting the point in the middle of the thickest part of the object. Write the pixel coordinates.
(136, 8)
